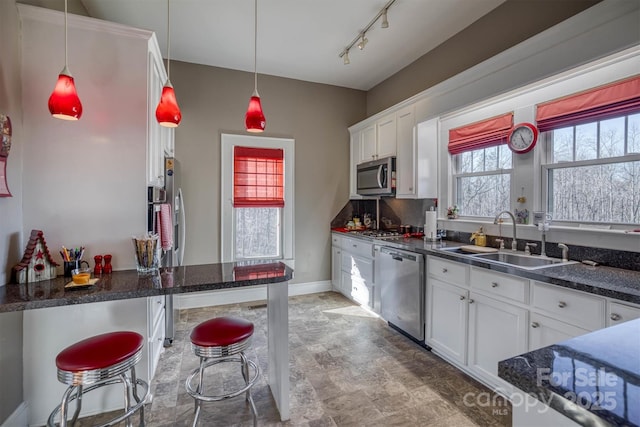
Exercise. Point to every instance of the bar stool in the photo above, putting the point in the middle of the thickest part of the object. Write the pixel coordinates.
(99, 361)
(216, 341)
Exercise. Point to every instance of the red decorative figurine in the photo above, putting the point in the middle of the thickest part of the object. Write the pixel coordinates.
(97, 270)
(107, 264)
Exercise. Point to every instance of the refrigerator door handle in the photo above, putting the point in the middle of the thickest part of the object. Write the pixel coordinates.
(183, 232)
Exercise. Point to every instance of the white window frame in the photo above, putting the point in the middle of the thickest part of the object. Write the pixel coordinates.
(547, 166)
(454, 181)
(227, 232)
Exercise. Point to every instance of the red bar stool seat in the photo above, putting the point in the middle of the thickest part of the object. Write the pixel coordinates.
(96, 362)
(216, 341)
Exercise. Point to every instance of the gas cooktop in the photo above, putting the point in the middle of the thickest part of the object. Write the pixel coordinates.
(378, 234)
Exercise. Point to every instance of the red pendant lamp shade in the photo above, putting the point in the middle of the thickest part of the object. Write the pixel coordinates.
(168, 113)
(254, 119)
(64, 102)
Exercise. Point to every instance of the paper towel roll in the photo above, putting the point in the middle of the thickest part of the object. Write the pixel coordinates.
(430, 225)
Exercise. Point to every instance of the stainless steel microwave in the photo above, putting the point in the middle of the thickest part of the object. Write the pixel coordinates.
(377, 177)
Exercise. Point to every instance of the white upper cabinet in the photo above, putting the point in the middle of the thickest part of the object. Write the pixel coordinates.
(368, 146)
(386, 133)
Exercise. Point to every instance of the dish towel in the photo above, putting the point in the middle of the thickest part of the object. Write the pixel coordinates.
(165, 226)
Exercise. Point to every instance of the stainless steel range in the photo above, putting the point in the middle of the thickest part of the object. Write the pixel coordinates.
(377, 234)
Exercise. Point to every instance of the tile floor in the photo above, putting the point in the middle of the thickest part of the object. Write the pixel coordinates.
(348, 368)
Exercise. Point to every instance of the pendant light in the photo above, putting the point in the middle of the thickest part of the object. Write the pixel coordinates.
(168, 113)
(254, 119)
(64, 102)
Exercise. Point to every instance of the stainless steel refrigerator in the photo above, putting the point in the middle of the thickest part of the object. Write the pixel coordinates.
(172, 194)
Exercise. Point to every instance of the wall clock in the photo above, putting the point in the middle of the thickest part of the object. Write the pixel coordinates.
(522, 138)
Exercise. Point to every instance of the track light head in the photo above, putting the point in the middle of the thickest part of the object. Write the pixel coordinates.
(345, 58)
(363, 42)
(385, 21)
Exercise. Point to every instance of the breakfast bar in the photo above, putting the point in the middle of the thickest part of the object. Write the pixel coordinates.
(120, 295)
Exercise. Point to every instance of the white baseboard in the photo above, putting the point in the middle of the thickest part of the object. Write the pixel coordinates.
(18, 418)
(239, 295)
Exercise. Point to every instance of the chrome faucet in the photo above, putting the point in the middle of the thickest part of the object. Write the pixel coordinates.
(514, 242)
(565, 251)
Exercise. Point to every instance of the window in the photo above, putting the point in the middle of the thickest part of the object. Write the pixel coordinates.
(257, 198)
(593, 171)
(482, 165)
(482, 181)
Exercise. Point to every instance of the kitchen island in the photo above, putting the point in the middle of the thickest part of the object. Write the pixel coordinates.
(119, 295)
(592, 379)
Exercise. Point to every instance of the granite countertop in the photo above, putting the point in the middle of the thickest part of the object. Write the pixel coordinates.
(593, 374)
(616, 283)
(128, 284)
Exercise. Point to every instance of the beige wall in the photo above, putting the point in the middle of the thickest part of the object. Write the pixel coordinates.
(11, 209)
(507, 25)
(316, 116)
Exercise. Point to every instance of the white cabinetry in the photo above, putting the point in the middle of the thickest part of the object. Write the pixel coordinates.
(386, 136)
(497, 331)
(367, 141)
(336, 262)
(545, 331)
(357, 271)
(574, 307)
(416, 160)
(619, 313)
(160, 139)
(447, 325)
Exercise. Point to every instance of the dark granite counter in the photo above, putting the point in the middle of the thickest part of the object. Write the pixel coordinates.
(610, 282)
(128, 284)
(594, 374)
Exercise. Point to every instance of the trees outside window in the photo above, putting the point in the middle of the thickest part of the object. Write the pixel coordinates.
(593, 171)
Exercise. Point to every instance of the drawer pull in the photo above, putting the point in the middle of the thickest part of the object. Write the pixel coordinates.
(494, 284)
(562, 304)
(462, 297)
(471, 301)
(355, 246)
(535, 324)
(444, 270)
(615, 316)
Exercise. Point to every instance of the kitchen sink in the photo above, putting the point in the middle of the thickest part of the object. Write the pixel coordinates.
(529, 262)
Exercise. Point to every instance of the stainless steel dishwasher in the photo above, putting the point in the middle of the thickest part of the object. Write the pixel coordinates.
(400, 275)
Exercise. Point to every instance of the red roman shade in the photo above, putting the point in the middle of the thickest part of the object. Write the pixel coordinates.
(258, 177)
(484, 134)
(615, 99)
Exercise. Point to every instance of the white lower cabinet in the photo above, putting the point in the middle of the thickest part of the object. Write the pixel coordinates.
(336, 268)
(497, 331)
(447, 325)
(356, 271)
(545, 331)
(619, 313)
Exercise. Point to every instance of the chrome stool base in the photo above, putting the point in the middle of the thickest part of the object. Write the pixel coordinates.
(198, 392)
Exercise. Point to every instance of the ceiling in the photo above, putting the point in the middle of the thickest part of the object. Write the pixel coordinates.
(298, 39)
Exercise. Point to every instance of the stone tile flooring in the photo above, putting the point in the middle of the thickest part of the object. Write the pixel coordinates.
(348, 368)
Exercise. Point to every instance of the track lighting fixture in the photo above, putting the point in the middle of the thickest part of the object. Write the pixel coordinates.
(360, 39)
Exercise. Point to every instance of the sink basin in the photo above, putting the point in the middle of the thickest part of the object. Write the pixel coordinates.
(529, 262)
(458, 250)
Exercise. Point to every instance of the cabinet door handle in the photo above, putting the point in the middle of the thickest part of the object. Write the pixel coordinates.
(444, 270)
(355, 246)
(462, 297)
(535, 324)
(410, 188)
(471, 301)
(615, 316)
(494, 284)
(562, 304)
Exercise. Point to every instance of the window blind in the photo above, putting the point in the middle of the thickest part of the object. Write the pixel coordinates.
(483, 134)
(258, 177)
(615, 99)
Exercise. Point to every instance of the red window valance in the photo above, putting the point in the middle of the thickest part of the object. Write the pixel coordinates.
(258, 177)
(484, 134)
(615, 99)
(258, 271)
